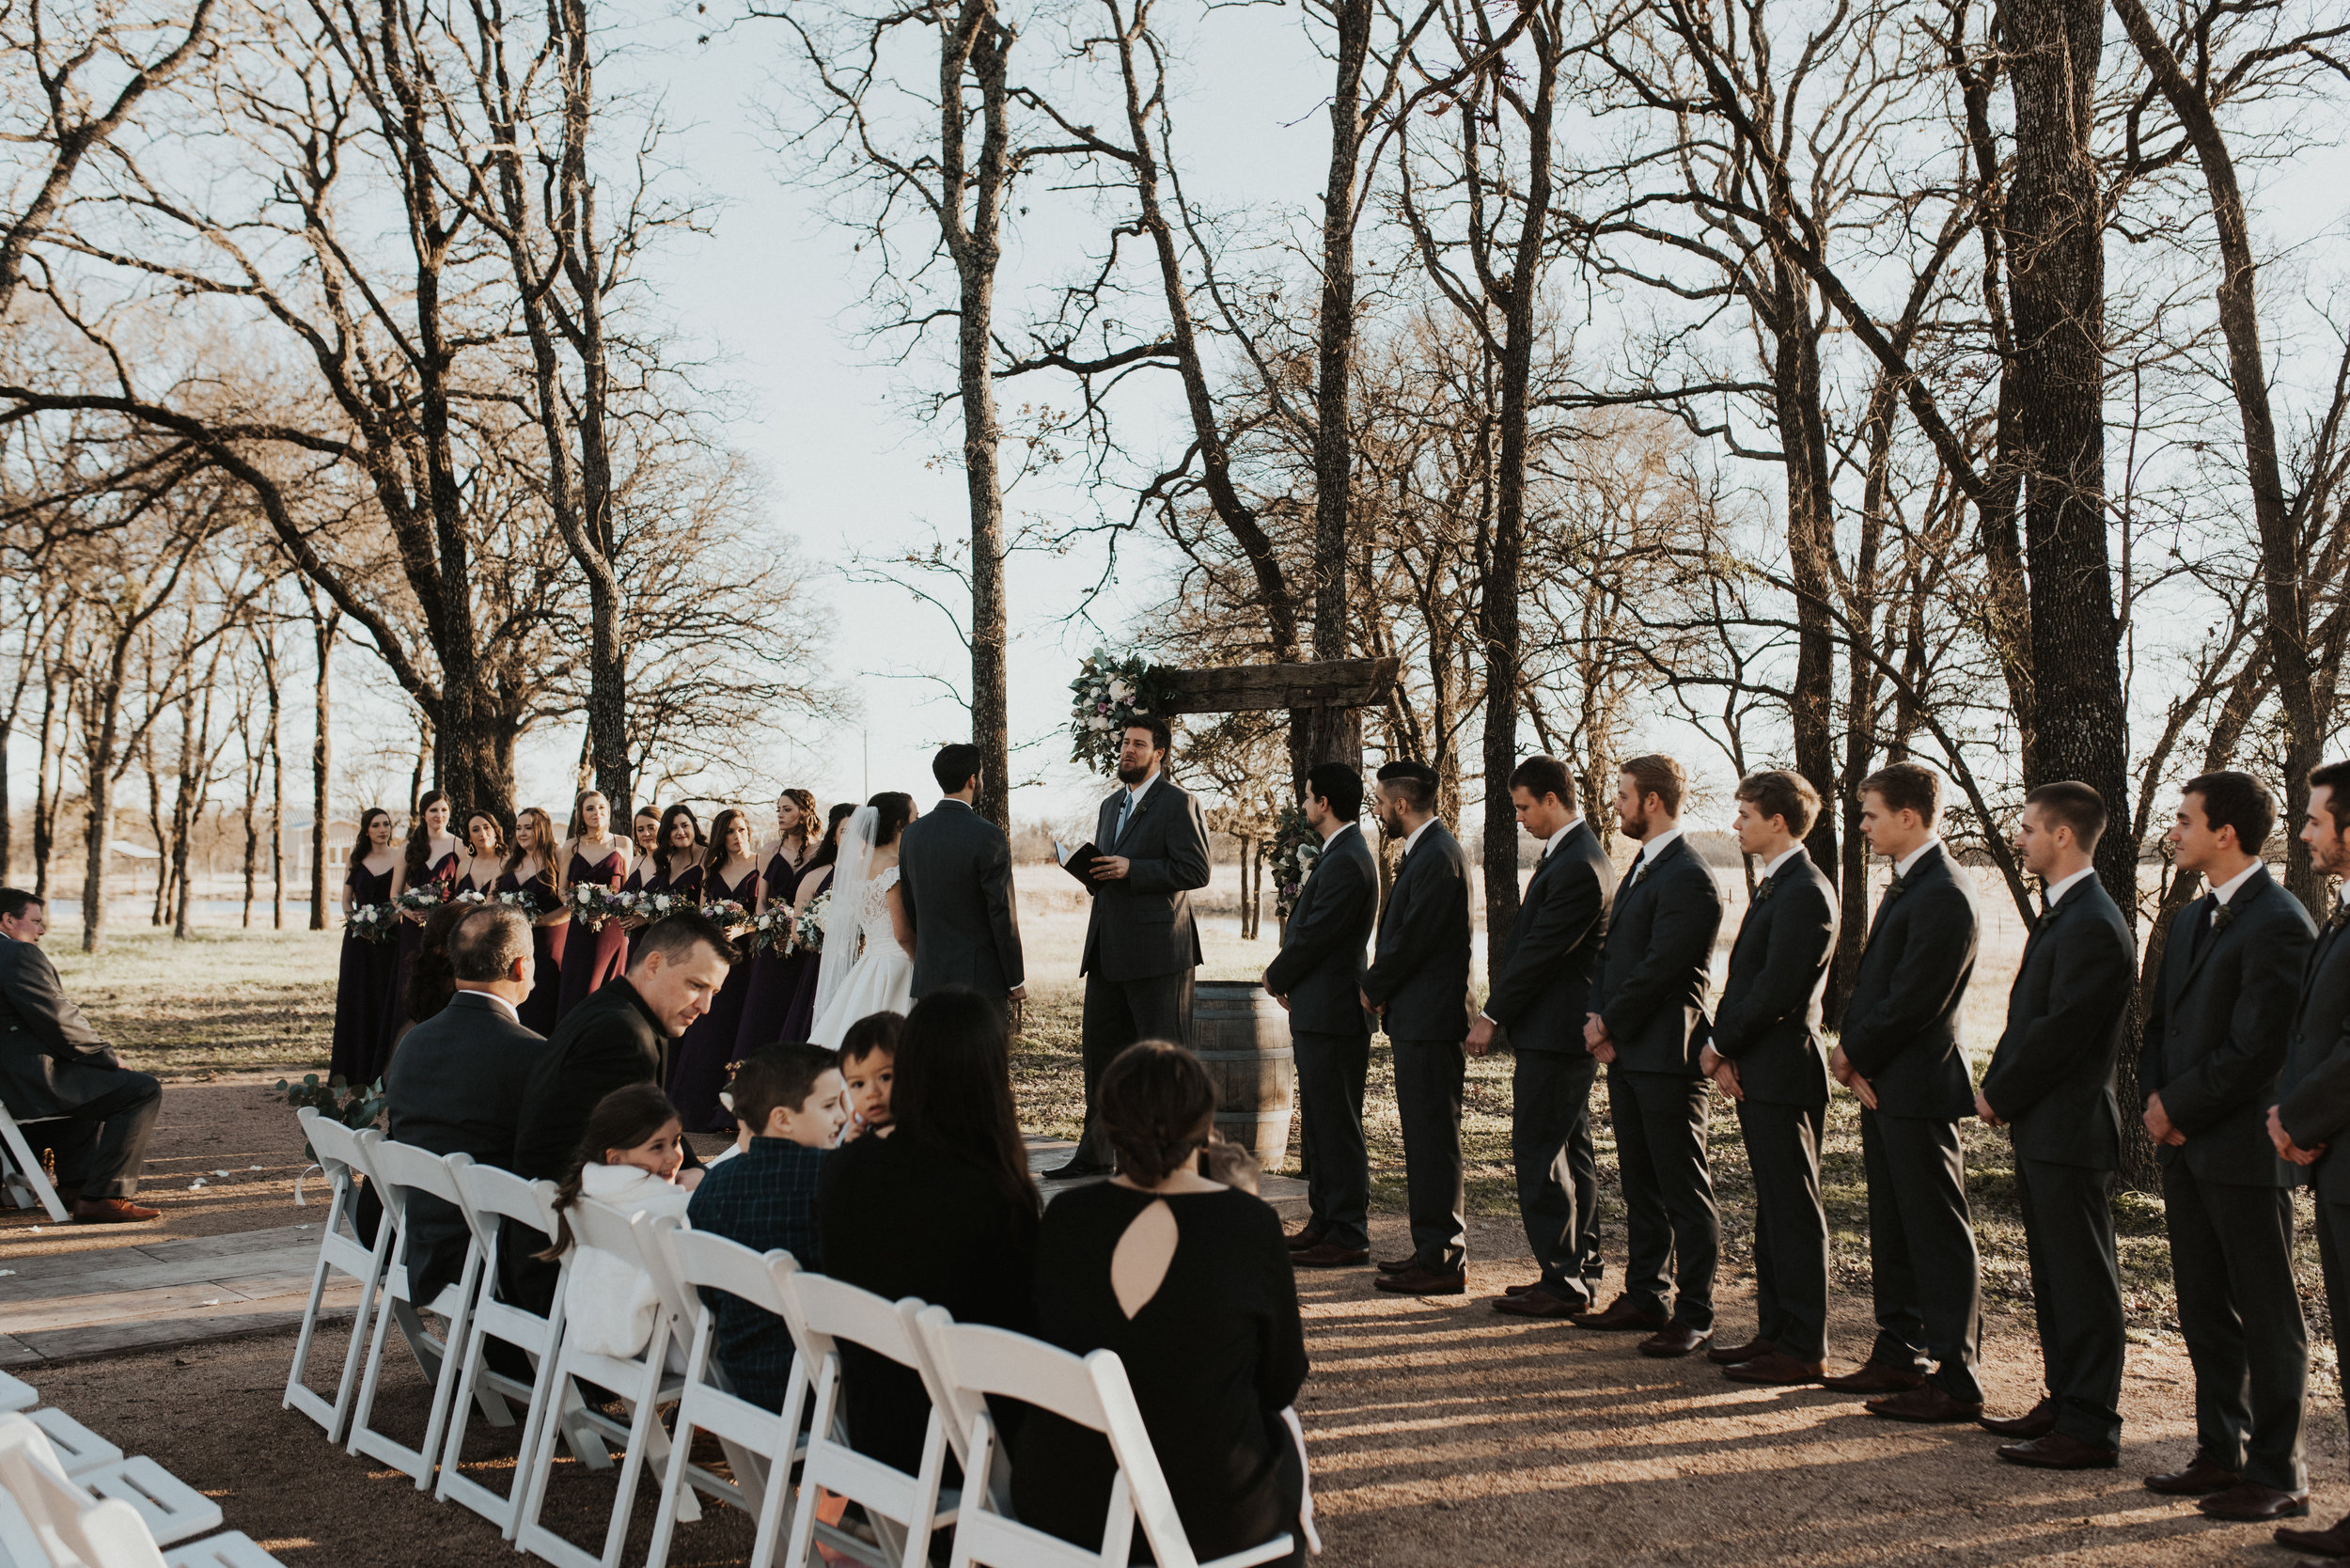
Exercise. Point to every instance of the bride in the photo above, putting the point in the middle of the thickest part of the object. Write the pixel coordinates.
(869, 938)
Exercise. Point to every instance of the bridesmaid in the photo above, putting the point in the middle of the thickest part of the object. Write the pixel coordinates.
(433, 856)
(776, 971)
(367, 998)
(529, 867)
(813, 881)
(677, 867)
(593, 853)
(645, 839)
(708, 1048)
(485, 846)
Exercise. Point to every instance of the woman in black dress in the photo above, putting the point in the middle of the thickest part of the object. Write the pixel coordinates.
(592, 955)
(774, 970)
(529, 867)
(645, 838)
(1189, 1281)
(367, 993)
(485, 854)
(814, 879)
(699, 1070)
(434, 858)
(943, 1208)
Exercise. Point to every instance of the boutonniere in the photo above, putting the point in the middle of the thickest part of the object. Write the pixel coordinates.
(1762, 890)
(1893, 888)
(2221, 918)
(2338, 918)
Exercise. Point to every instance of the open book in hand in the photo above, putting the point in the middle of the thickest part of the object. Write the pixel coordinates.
(1077, 862)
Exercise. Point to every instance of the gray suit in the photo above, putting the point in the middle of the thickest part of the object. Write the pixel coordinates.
(2217, 1037)
(1650, 990)
(1141, 943)
(1541, 1001)
(2051, 1080)
(53, 1063)
(1419, 980)
(2314, 1103)
(1318, 972)
(1900, 1033)
(954, 867)
(455, 1087)
(1768, 1023)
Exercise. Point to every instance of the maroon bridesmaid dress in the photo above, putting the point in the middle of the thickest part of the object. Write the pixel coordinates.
(592, 958)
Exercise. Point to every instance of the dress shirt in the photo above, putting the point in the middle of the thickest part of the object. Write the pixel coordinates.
(2226, 890)
(1413, 838)
(1650, 850)
(464, 990)
(2054, 893)
(1772, 870)
(1900, 866)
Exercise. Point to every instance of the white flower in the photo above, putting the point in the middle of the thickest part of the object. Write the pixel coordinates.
(1122, 692)
(1097, 723)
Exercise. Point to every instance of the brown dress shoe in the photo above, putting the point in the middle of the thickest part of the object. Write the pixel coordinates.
(1924, 1405)
(1325, 1254)
(1305, 1237)
(110, 1211)
(2056, 1451)
(1729, 1356)
(1521, 1290)
(1622, 1317)
(2324, 1542)
(1417, 1280)
(1874, 1377)
(1776, 1368)
(2204, 1474)
(2030, 1427)
(1396, 1266)
(1674, 1340)
(1538, 1303)
(2250, 1503)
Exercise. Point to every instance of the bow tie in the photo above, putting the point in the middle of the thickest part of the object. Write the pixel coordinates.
(1762, 889)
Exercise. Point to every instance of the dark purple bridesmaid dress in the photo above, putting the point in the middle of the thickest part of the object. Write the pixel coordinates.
(539, 1008)
(803, 1010)
(708, 1048)
(775, 983)
(364, 995)
(592, 958)
(411, 942)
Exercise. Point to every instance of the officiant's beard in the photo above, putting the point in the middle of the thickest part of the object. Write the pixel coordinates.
(1132, 776)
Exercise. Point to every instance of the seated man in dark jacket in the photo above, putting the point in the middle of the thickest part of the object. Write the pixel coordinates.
(455, 1082)
(53, 1063)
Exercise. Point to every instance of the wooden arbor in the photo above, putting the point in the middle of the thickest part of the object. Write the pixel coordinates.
(1329, 695)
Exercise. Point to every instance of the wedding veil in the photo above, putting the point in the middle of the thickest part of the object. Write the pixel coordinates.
(845, 914)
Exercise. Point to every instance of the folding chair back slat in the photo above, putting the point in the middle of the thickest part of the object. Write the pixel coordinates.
(341, 1156)
(400, 1170)
(23, 1166)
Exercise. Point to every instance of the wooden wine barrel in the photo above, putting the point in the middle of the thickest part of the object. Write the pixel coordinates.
(1242, 1036)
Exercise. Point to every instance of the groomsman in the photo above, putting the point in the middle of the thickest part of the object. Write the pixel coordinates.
(2051, 1086)
(1541, 1001)
(2217, 1027)
(1900, 1054)
(2313, 1112)
(1142, 948)
(1766, 1056)
(1647, 1024)
(1317, 978)
(1418, 982)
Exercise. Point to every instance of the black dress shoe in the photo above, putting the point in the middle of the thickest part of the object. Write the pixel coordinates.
(2324, 1542)
(2030, 1427)
(2056, 1451)
(2202, 1475)
(1674, 1341)
(1076, 1169)
(2250, 1503)
(1729, 1356)
(1925, 1405)
(1537, 1303)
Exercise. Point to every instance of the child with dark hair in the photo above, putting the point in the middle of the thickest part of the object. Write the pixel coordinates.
(868, 1059)
(628, 1160)
(793, 1098)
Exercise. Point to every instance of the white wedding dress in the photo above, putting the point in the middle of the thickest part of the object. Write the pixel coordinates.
(858, 926)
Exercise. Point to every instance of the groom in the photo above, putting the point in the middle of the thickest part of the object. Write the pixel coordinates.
(954, 867)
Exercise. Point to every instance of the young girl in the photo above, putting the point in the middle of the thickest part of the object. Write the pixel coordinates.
(628, 1160)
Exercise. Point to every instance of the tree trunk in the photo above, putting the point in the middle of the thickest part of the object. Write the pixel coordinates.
(322, 622)
(1810, 544)
(44, 796)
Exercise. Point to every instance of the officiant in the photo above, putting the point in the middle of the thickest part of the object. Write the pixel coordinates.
(1142, 946)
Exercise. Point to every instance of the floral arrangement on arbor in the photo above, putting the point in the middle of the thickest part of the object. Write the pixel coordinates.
(1111, 692)
(1295, 848)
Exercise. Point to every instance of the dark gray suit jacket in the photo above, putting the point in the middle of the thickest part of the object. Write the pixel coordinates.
(955, 869)
(1657, 963)
(1320, 967)
(2315, 1093)
(1768, 1020)
(1420, 974)
(1900, 1027)
(2217, 1032)
(2051, 1079)
(50, 1059)
(1544, 991)
(455, 1087)
(1141, 924)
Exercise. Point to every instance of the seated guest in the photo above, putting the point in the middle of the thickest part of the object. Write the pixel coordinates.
(942, 1209)
(1189, 1281)
(455, 1086)
(765, 1198)
(868, 1065)
(53, 1063)
(628, 1159)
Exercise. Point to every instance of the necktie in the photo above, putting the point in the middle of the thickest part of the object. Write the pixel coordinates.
(2206, 906)
(1639, 866)
(1125, 809)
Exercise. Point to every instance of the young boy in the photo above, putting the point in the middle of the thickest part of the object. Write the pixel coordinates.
(868, 1053)
(765, 1198)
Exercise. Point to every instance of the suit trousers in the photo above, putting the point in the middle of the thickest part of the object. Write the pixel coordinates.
(1557, 1167)
(2075, 1293)
(102, 1144)
(2333, 1257)
(1673, 1230)
(1923, 1268)
(1117, 1014)
(1331, 1070)
(2232, 1256)
(1789, 1226)
(1429, 1075)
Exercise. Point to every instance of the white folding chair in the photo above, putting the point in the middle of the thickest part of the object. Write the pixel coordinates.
(52, 1521)
(27, 1182)
(903, 1509)
(231, 1549)
(492, 1195)
(761, 1445)
(79, 1450)
(340, 1251)
(642, 1382)
(1092, 1391)
(17, 1394)
(402, 1170)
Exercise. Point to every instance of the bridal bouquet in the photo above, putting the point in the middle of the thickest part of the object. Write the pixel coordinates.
(592, 903)
(809, 930)
(1295, 848)
(373, 922)
(730, 916)
(1112, 692)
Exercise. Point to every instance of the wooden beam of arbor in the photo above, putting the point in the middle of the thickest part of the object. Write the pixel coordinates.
(1259, 688)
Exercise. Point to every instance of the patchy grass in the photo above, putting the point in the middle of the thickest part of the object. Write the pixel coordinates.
(223, 999)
